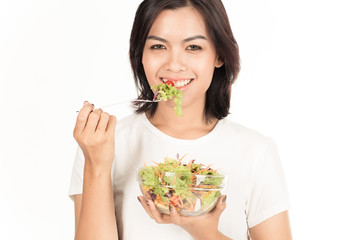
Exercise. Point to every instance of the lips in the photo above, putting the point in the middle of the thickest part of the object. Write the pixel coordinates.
(179, 82)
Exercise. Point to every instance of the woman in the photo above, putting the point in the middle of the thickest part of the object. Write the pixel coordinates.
(190, 43)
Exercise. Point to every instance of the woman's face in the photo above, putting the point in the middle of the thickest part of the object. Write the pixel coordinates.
(178, 48)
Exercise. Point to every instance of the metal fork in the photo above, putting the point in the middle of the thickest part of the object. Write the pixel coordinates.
(123, 102)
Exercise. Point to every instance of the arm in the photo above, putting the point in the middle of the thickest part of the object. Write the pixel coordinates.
(275, 228)
(97, 212)
(94, 209)
(268, 191)
(77, 206)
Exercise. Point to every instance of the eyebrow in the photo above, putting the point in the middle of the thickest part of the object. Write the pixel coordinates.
(185, 40)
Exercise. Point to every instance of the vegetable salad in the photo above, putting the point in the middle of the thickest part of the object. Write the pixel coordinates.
(191, 188)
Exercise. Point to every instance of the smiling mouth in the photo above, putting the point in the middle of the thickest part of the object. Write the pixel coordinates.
(178, 83)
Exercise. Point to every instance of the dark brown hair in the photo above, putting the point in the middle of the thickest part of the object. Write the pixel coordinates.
(217, 22)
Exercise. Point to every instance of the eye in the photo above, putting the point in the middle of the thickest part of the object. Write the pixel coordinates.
(157, 46)
(194, 48)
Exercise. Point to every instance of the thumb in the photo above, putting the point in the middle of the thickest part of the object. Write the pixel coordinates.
(220, 206)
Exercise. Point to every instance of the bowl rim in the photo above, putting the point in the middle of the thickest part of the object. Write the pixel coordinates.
(223, 186)
(192, 174)
(190, 188)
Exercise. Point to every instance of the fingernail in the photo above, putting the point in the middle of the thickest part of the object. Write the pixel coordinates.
(147, 202)
(86, 102)
(170, 208)
(224, 199)
(92, 104)
(139, 199)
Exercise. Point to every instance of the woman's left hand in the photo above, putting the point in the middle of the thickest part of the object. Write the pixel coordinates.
(200, 227)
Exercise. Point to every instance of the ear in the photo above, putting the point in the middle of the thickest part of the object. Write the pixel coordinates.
(218, 62)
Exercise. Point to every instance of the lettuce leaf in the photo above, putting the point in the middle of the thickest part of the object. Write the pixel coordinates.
(165, 92)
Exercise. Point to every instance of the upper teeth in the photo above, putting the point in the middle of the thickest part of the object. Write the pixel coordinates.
(180, 83)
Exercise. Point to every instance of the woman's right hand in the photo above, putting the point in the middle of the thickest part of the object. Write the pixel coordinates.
(95, 133)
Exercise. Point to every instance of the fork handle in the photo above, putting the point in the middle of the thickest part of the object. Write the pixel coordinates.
(123, 102)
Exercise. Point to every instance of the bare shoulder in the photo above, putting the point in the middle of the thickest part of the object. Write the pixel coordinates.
(276, 227)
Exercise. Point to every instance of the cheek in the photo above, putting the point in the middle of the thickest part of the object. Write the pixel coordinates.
(205, 70)
(150, 65)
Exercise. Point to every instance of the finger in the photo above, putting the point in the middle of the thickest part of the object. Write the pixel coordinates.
(103, 122)
(111, 124)
(220, 206)
(175, 217)
(143, 202)
(93, 120)
(158, 217)
(82, 118)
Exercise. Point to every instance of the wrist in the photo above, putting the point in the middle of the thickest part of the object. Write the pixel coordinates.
(208, 235)
(95, 171)
(213, 236)
(221, 236)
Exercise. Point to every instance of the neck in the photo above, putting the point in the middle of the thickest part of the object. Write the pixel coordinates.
(191, 125)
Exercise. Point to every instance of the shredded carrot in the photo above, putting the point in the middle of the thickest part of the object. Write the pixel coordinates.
(158, 198)
(178, 162)
(192, 179)
(175, 200)
(183, 157)
(190, 164)
(156, 163)
(206, 169)
(156, 172)
(162, 174)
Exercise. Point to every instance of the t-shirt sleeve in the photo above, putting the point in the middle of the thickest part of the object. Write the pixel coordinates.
(268, 194)
(76, 182)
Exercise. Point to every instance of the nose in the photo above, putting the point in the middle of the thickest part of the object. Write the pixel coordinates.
(176, 62)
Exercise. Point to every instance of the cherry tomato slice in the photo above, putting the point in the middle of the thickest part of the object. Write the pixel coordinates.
(170, 83)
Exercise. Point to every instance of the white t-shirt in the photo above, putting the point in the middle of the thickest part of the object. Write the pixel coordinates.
(256, 188)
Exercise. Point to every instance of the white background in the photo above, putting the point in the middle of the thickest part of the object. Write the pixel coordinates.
(298, 84)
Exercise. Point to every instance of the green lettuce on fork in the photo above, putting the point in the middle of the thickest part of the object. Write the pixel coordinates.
(165, 92)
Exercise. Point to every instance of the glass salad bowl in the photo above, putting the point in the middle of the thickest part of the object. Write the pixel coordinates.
(191, 194)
